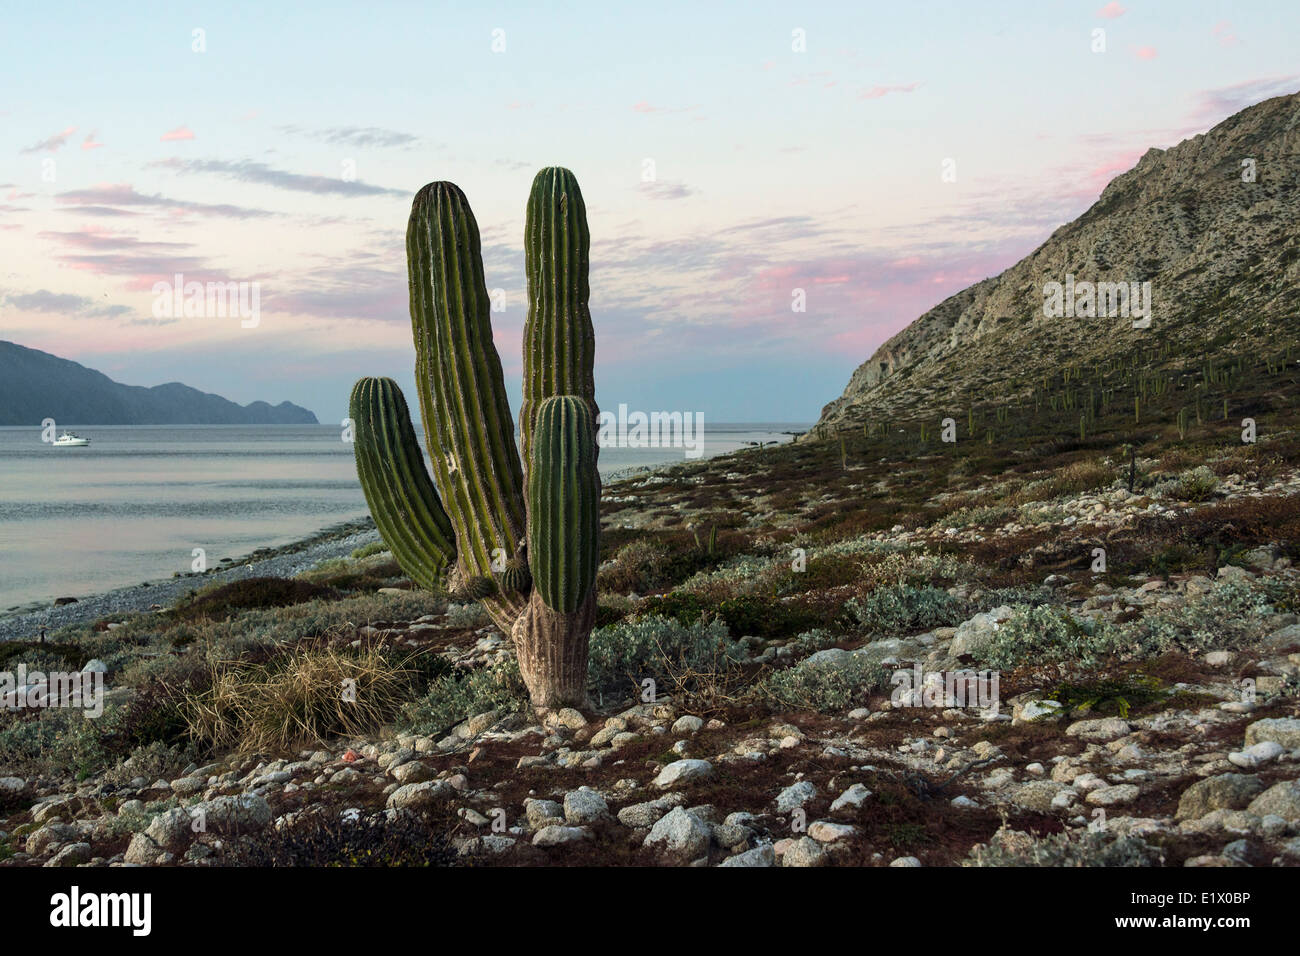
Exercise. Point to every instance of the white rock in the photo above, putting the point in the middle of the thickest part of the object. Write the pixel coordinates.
(803, 852)
(759, 856)
(584, 806)
(825, 831)
(852, 797)
(1113, 796)
(556, 835)
(680, 832)
(687, 724)
(1257, 755)
(683, 771)
(795, 795)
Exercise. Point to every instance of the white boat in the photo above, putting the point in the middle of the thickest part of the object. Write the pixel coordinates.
(69, 440)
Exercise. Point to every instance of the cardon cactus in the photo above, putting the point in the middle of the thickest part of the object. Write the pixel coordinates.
(501, 524)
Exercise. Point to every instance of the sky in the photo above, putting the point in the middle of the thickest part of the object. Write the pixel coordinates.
(738, 160)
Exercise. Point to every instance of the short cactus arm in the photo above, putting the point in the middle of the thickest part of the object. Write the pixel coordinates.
(564, 504)
(402, 500)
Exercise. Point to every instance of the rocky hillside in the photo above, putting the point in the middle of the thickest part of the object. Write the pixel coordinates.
(36, 385)
(1222, 256)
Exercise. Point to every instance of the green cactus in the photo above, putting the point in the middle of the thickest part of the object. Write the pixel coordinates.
(390, 465)
(564, 503)
(548, 609)
(467, 421)
(516, 577)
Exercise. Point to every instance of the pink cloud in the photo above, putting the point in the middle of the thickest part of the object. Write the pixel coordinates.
(876, 92)
(1212, 106)
(52, 143)
(1145, 53)
(90, 142)
(180, 132)
(1120, 164)
(644, 107)
(1111, 10)
(1223, 30)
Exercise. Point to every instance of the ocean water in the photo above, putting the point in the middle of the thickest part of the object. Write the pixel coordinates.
(135, 504)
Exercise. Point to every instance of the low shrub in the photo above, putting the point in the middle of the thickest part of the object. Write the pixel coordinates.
(1043, 634)
(902, 607)
(326, 837)
(1229, 615)
(656, 647)
(1198, 484)
(366, 550)
(460, 695)
(825, 686)
(263, 592)
(759, 615)
(1090, 848)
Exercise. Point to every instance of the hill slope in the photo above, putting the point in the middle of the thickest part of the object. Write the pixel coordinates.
(1222, 256)
(35, 385)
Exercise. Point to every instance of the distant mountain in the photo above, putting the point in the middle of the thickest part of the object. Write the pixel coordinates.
(1212, 224)
(35, 385)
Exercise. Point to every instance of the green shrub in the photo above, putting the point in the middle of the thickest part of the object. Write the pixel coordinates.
(624, 654)
(153, 761)
(1199, 484)
(1044, 634)
(902, 607)
(1091, 848)
(826, 686)
(366, 550)
(58, 740)
(467, 615)
(1229, 615)
(460, 695)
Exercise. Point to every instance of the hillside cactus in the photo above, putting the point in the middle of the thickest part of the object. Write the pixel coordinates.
(526, 533)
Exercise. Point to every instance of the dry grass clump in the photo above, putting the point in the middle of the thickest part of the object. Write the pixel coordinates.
(1077, 478)
(303, 697)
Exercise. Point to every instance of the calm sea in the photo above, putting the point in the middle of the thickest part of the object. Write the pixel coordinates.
(135, 504)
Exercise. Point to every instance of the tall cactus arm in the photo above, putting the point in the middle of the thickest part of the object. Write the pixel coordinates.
(467, 419)
(564, 504)
(559, 343)
(401, 497)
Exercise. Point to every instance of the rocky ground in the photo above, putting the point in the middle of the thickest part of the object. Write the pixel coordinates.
(1204, 776)
(1132, 623)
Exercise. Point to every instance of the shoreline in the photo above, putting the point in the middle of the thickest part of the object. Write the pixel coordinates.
(337, 540)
